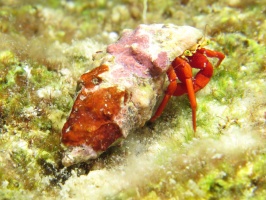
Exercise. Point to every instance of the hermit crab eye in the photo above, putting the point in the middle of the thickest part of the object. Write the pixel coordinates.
(204, 43)
(187, 53)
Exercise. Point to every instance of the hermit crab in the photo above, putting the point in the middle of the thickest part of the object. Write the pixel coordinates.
(127, 89)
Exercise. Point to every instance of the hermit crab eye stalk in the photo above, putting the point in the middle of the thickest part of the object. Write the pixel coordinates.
(204, 43)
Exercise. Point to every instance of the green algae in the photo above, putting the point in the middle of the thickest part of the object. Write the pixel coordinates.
(162, 161)
(236, 182)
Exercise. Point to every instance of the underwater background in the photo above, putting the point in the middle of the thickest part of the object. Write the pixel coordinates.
(46, 45)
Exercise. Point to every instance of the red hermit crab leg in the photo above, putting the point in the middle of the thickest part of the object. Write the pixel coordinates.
(169, 92)
(184, 73)
(199, 61)
(180, 69)
(183, 70)
(212, 54)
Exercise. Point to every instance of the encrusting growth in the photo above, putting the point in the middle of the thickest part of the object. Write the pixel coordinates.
(122, 93)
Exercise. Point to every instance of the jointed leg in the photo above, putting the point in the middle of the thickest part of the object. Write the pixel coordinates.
(184, 73)
(199, 61)
(169, 92)
(181, 69)
(193, 102)
(212, 54)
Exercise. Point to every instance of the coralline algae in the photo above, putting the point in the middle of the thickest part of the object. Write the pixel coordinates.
(121, 94)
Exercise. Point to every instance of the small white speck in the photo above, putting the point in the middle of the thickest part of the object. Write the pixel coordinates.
(113, 36)
(65, 72)
(217, 156)
(82, 97)
(27, 70)
(68, 129)
(29, 111)
(243, 68)
(48, 92)
(172, 181)
(5, 183)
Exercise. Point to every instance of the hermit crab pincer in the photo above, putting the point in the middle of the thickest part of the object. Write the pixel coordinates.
(124, 92)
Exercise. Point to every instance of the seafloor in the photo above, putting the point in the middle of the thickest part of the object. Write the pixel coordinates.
(46, 45)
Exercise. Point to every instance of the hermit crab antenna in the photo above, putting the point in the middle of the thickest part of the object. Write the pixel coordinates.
(204, 41)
